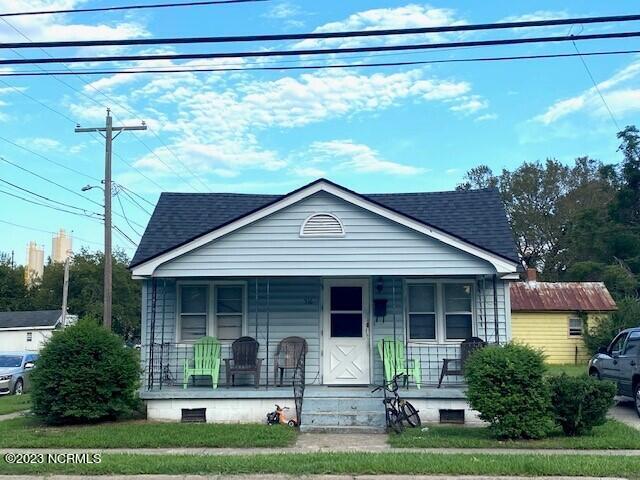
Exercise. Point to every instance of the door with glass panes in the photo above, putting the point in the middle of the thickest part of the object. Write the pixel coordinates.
(346, 332)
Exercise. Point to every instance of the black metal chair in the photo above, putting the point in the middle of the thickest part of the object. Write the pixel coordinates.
(287, 356)
(455, 366)
(244, 359)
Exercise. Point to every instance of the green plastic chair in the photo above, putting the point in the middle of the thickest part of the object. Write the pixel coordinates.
(206, 361)
(394, 359)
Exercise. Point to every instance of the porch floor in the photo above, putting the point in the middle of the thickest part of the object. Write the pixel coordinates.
(311, 391)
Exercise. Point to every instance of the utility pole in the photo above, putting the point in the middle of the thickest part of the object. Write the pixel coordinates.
(65, 291)
(107, 133)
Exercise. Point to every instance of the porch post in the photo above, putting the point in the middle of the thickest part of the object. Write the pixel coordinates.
(268, 327)
(152, 334)
(495, 309)
(164, 302)
(393, 299)
(256, 307)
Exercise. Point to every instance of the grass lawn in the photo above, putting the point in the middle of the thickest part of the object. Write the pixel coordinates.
(14, 403)
(29, 433)
(570, 369)
(344, 463)
(611, 435)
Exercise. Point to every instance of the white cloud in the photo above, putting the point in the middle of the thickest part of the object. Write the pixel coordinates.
(408, 16)
(620, 100)
(310, 172)
(40, 143)
(468, 105)
(486, 117)
(60, 27)
(346, 154)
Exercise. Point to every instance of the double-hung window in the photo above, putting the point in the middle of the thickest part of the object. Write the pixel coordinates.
(194, 310)
(575, 326)
(439, 311)
(458, 311)
(422, 311)
(216, 309)
(229, 311)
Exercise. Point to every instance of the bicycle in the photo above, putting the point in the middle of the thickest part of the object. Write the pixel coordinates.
(397, 410)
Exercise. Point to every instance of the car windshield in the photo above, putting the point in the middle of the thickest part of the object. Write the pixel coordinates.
(10, 360)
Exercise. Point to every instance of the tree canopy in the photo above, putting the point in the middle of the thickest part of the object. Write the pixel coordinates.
(85, 290)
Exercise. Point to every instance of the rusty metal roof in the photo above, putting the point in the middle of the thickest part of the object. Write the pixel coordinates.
(560, 296)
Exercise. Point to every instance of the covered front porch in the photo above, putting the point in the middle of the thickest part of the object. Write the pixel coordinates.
(342, 320)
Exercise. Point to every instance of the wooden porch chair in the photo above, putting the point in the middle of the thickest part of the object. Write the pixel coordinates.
(455, 366)
(288, 353)
(244, 359)
(393, 356)
(206, 361)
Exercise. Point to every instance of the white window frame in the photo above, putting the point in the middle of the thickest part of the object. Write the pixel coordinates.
(409, 312)
(211, 322)
(440, 312)
(445, 313)
(574, 317)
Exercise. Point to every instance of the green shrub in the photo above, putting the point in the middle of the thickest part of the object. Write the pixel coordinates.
(84, 374)
(603, 331)
(580, 403)
(508, 389)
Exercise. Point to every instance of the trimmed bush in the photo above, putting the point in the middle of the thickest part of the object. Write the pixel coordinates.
(84, 374)
(580, 403)
(508, 389)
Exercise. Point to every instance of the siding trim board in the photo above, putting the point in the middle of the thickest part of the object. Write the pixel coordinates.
(499, 263)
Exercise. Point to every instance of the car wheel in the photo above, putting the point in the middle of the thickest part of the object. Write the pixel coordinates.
(18, 388)
(637, 398)
(594, 374)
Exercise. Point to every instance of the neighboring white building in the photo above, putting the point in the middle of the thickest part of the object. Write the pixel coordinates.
(34, 269)
(61, 246)
(28, 331)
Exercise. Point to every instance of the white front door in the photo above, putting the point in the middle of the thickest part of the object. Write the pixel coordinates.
(346, 332)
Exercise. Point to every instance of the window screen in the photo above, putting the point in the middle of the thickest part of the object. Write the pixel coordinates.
(422, 312)
(575, 327)
(458, 311)
(194, 301)
(229, 311)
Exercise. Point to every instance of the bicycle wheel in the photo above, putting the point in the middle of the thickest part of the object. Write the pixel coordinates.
(394, 421)
(410, 414)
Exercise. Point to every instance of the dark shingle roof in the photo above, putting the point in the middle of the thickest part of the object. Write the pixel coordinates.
(33, 318)
(476, 216)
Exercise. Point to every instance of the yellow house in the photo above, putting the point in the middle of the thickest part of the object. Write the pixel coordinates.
(550, 315)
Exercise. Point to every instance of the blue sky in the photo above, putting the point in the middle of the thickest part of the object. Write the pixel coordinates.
(413, 128)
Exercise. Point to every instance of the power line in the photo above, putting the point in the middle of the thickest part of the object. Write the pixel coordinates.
(128, 7)
(129, 191)
(61, 165)
(26, 190)
(345, 65)
(47, 205)
(125, 216)
(21, 33)
(319, 35)
(131, 198)
(595, 85)
(119, 230)
(47, 231)
(324, 51)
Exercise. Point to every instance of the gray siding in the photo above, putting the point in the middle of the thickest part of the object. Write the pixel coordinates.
(372, 245)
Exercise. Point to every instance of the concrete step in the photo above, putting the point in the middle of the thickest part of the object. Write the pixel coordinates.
(329, 404)
(340, 429)
(361, 418)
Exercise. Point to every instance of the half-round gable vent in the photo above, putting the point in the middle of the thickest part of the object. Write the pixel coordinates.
(322, 225)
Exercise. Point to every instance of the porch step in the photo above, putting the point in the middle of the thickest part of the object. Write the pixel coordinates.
(344, 419)
(347, 414)
(338, 429)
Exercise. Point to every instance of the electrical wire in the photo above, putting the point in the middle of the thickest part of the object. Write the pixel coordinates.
(319, 35)
(131, 199)
(128, 7)
(26, 190)
(131, 192)
(47, 205)
(119, 230)
(334, 66)
(323, 51)
(125, 216)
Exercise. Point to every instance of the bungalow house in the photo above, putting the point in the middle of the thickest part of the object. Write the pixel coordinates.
(29, 330)
(553, 316)
(340, 269)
